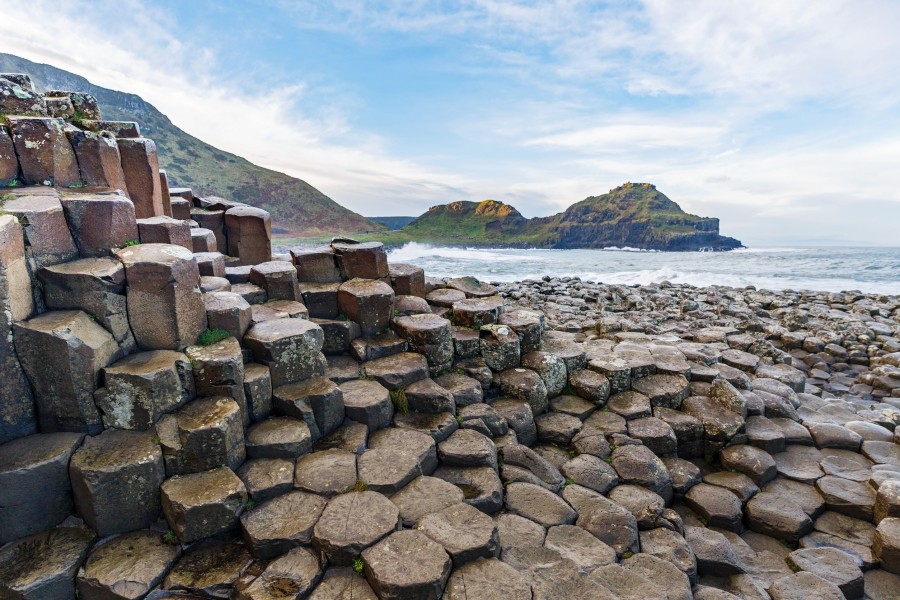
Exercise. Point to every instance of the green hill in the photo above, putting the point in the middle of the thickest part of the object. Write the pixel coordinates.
(294, 204)
(633, 215)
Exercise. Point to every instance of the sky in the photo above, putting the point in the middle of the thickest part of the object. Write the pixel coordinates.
(782, 118)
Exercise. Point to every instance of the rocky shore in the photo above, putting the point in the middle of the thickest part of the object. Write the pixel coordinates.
(186, 415)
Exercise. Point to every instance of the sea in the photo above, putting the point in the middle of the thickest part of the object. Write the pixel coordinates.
(831, 269)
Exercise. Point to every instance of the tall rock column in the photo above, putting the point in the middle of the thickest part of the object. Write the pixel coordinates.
(9, 165)
(165, 305)
(44, 152)
(249, 234)
(140, 164)
(17, 416)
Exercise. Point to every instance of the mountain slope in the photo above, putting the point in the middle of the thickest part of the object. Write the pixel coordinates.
(633, 215)
(294, 204)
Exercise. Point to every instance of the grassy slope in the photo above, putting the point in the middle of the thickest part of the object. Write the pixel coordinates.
(295, 205)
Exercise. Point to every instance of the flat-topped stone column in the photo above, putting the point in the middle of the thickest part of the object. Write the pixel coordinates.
(205, 434)
(214, 220)
(9, 164)
(115, 479)
(429, 335)
(98, 159)
(35, 493)
(165, 230)
(316, 265)
(203, 504)
(17, 416)
(47, 238)
(227, 311)
(164, 190)
(278, 278)
(369, 303)
(143, 387)
(407, 280)
(364, 261)
(165, 305)
(140, 164)
(100, 223)
(219, 371)
(45, 155)
(291, 348)
(17, 96)
(249, 234)
(94, 285)
(73, 348)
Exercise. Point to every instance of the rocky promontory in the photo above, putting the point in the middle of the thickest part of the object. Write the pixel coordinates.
(633, 215)
(186, 415)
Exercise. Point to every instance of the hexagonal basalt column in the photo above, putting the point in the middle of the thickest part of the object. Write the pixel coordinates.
(316, 265)
(475, 312)
(45, 155)
(219, 371)
(203, 504)
(367, 302)
(407, 565)
(528, 325)
(500, 347)
(205, 434)
(142, 387)
(100, 223)
(317, 401)
(47, 237)
(429, 335)
(127, 566)
(368, 402)
(17, 416)
(407, 280)
(365, 261)
(49, 573)
(165, 305)
(94, 285)
(9, 164)
(249, 234)
(98, 159)
(203, 240)
(74, 348)
(227, 311)
(353, 522)
(35, 493)
(115, 479)
(278, 278)
(210, 264)
(291, 348)
(140, 164)
(213, 220)
(165, 230)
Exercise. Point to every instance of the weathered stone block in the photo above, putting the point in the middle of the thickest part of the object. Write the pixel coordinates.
(35, 493)
(429, 335)
(100, 223)
(126, 567)
(291, 348)
(115, 480)
(363, 261)
(205, 434)
(17, 414)
(45, 155)
(59, 107)
(203, 504)
(17, 96)
(73, 347)
(94, 285)
(367, 302)
(249, 234)
(98, 159)
(50, 573)
(278, 278)
(181, 208)
(258, 391)
(118, 129)
(210, 264)
(219, 371)
(165, 305)
(227, 311)
(318, 402)
(500, 347)
(204, 240)
(321, 299)
(9, 164)
(214, 220)
(338, 335)
(140, 164)
(528, 325)
(165, 230)
(407, 280)
(164, 190)
(143, 387)
(316, 265)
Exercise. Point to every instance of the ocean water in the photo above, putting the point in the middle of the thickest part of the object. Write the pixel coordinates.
(870, 270)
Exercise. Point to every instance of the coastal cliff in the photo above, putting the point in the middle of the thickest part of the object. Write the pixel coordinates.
(635, 215)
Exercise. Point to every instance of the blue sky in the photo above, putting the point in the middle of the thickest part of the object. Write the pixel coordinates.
(781, 118)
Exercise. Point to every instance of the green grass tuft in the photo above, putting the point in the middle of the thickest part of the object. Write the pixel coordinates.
(358, 566)
(170, 538)
(401, 403)
(211, 336)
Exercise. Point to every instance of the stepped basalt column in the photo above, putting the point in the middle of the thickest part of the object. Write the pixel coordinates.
(165, 305)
